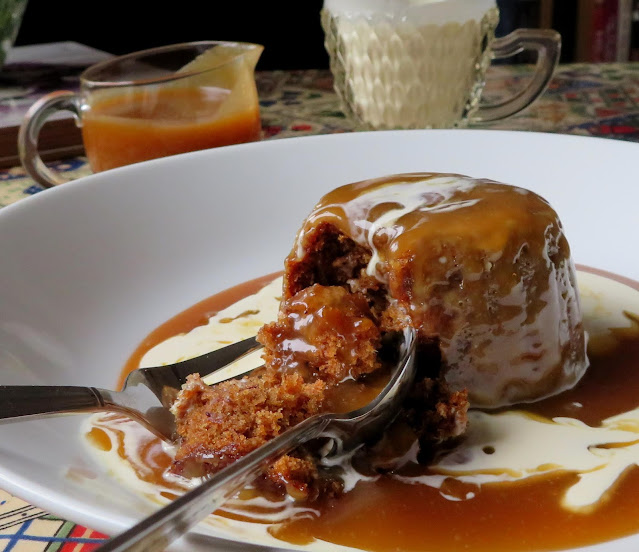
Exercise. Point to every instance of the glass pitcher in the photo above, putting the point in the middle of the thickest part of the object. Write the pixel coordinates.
(154, 103)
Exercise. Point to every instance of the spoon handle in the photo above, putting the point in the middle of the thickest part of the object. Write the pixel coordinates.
(160, 529)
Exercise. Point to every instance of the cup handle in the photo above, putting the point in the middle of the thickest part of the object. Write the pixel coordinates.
(30, 128)
(547, 44)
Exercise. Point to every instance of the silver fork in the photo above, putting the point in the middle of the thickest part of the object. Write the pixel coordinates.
(147, 394)
(160, 529)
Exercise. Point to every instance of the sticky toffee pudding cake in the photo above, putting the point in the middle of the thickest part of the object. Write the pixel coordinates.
(481, 267)
(481, 270)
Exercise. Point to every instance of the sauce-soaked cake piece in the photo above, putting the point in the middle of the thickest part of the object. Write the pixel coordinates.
(483, 268)
(318, 355)
(324, 336)
(221, 423)
(325, 330)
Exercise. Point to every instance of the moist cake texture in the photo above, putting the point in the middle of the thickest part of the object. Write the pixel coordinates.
(481, 270)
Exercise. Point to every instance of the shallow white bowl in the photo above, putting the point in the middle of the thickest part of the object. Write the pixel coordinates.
(89, 268)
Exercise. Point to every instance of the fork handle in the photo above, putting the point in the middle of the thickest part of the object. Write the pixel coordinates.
(29, 400)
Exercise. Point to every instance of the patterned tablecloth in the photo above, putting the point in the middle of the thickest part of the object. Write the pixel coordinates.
(587, 99)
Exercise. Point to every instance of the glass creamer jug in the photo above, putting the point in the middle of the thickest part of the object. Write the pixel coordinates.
(154, 103)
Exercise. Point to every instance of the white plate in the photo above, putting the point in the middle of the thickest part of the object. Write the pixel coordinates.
(89, 268)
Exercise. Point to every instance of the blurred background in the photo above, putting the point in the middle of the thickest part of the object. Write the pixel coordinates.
(592, 30)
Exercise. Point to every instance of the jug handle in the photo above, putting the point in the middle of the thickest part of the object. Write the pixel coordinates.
(547, 44)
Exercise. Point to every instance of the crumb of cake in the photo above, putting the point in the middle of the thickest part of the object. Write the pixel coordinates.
(296, 475)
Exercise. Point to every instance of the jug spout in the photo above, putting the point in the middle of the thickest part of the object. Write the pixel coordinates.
(252, 54)
(225, 66)
(224, 53)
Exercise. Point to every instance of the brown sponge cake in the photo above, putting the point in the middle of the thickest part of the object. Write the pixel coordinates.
(482, 267)
(481, 270)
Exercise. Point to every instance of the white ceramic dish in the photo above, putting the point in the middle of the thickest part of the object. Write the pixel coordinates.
(89, 268)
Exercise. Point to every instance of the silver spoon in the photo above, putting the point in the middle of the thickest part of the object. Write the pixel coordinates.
(157, 531)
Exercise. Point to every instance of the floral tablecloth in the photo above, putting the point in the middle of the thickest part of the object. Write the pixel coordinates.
(587, 99)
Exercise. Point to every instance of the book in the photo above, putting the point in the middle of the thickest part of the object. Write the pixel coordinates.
(598, 29)
(31, 72)
(603, 33)
(634, 33)
(610, 47)
(624, 26)
(585, 10)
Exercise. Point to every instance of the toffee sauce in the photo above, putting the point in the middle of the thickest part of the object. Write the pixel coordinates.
(194, 316)
(388, 515)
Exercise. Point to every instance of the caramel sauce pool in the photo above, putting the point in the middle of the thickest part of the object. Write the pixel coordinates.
(197, 315)
(388, 515)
